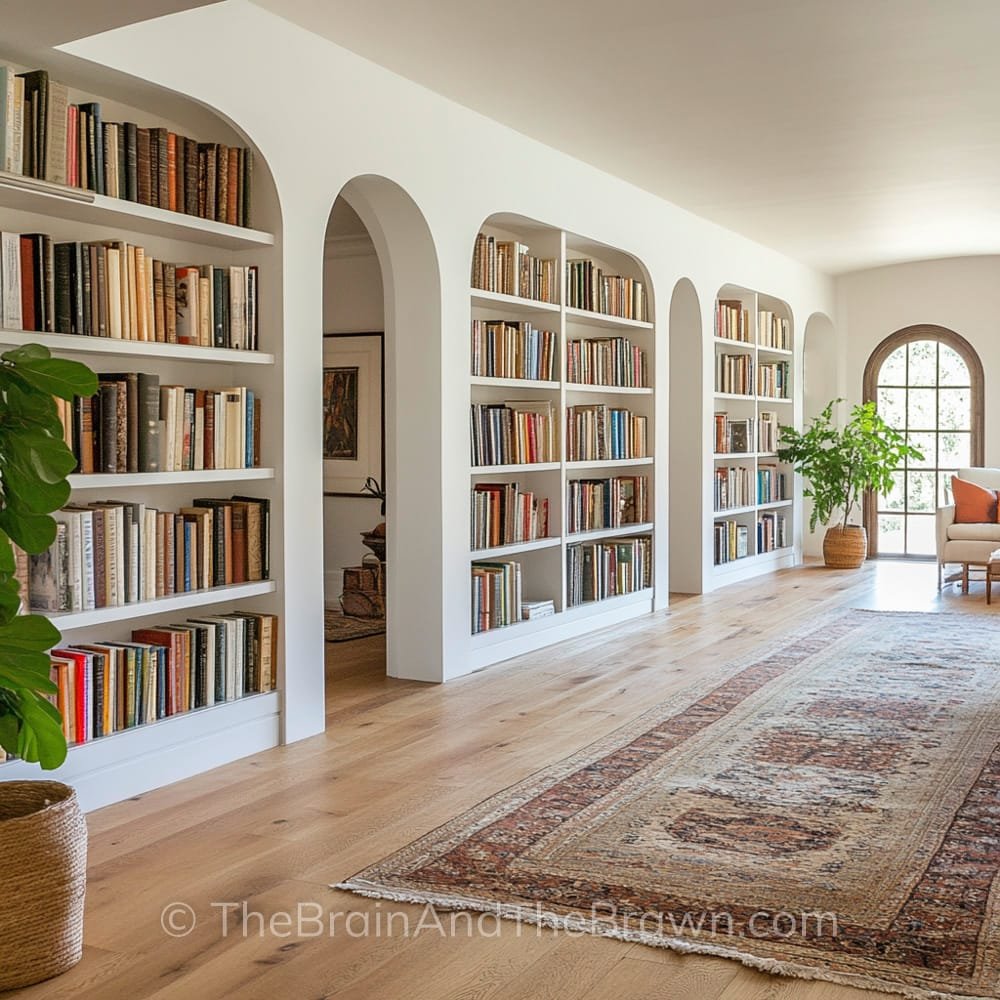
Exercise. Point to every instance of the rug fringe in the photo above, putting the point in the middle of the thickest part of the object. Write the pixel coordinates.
(556, 921)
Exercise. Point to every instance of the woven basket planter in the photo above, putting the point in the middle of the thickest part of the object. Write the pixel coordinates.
(845, 548)
(43, 872)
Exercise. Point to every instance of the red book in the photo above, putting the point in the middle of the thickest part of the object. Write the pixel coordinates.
(28, 320)
(174, 642)
(80, 685)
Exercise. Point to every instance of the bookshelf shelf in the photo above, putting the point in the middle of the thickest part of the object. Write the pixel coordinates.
(530, 249)
(609, 390)
(68, 621)
(587, 318)
(26, 194)
(169, 749)
(752, 527)
(71, 344)
(609, 463)
(101, 481)
(599, 533)
(504, 470)
(515, 383)
(502, 551)
(514, 304)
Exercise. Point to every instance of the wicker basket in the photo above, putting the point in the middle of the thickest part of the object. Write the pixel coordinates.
(43, 872)
(845, 548)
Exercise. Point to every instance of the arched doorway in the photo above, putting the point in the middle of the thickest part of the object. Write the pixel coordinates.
(927, 382)
(377, 220)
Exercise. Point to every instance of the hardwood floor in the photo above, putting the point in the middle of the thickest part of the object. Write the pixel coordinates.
(399, 758)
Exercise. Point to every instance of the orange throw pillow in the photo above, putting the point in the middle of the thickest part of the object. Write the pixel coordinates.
(973, 504)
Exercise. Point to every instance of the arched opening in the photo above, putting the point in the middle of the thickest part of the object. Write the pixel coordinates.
(927, 383)
(821, 381)
(687, 533)
(381, 277)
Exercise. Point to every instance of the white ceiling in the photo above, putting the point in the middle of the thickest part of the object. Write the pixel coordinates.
(846, 133)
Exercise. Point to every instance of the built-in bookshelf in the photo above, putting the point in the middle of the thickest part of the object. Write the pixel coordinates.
(569, 540)
(752, 526)
(238, 268)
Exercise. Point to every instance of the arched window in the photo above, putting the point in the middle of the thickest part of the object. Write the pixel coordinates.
(927, 382)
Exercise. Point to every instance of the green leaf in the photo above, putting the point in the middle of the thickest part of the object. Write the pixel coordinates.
(33, 532)
(26, 353)
(7, 563)
(20, 669)
(8, 731)
(58, 377)
(42, 737)
(29, 632)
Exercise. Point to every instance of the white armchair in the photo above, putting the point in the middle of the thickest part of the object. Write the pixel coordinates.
(966, 544)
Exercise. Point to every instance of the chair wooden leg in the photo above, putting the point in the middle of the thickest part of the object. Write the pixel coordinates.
(989, 584)
(965, 578)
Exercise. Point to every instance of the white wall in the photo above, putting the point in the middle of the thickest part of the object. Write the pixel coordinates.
(354, 119)
(352, 303)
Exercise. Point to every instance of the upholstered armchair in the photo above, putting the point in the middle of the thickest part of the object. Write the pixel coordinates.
(966, 544)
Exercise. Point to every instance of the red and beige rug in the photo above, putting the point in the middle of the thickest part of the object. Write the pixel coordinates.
(828, 808)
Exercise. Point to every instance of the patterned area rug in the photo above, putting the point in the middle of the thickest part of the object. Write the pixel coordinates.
(827, 808)
(340, 627)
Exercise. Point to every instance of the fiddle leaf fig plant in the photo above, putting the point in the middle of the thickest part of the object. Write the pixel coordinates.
(841, 464)
(34, 464)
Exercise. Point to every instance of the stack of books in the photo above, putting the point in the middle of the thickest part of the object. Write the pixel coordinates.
(598, 432)
(592, 504)
(771, 532)
(508, 267)
(734, 373)
(111, 553)
(731, 541)
(613, 361)
(503, 515)
(107, 687)
(733, 488)
(116, 289)
(773, 331)
(771, 484)
(502, 349)
(588, 287)
(732, 320)
(598, 570)
(773, 380)
(496, 595)
(512, 433)
(733, 436)
(44, 136)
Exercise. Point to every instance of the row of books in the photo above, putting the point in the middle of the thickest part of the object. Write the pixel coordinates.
(107, 687)
(732, 538)
(613, 361)
(112, 553)
(732, 487)
(133, 424)
(588, 287)
(508, 267)
(745, 434)
(503, 514)
(734, 373)
(43, 135)
(772, 532)
(598, 570)
(593, 504)
(503, 349)
(772, 484)
(732, 321)
(496, 595)
(116, 289)
(519, 431)
(773, 379)
(773, 331)
(598, 432)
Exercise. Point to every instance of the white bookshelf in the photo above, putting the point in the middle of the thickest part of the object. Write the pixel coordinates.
(138, 759)
(544, 561)
(751, 405)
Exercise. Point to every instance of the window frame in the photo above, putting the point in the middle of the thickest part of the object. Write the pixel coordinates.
(965, 350)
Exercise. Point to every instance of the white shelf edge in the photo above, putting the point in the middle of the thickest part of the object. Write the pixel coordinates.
(483, 298)
(476, 555)
(30, 195)
(781, 351)
(574, 537)
(775, 504)
(610, 390)
(728, 456)
(514, 383)
(585, 316)
(69, 620)
(747, 345)
(79, 344)
(734, 564)
(609, 463)
(107, 480)
(503, 470)
(718, 515)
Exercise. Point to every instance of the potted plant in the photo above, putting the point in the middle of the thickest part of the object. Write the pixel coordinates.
(43, 837)
(840, 465)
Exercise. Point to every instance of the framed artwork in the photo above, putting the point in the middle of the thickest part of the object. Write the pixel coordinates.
(353, 412)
